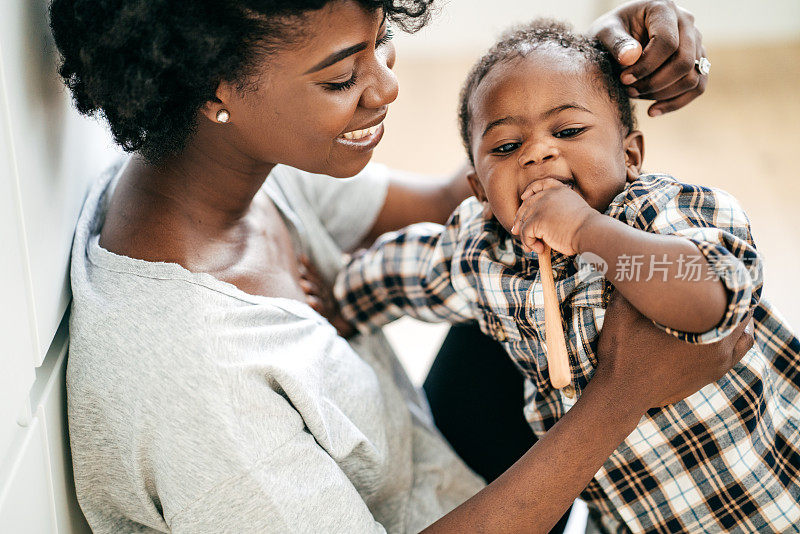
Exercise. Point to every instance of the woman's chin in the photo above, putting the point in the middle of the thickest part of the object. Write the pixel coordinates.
(349, 166)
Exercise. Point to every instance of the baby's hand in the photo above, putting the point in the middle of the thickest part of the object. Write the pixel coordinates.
(551, 213)
(319, 296)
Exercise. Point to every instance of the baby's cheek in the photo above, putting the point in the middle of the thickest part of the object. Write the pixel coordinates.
(505, 211)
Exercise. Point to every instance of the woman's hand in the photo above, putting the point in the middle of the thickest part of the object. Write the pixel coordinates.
(319, 296)
(664, 71)
(640, 367)
(640, 362)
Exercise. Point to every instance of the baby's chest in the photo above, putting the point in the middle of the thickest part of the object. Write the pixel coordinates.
(526, 343)
(509, 298)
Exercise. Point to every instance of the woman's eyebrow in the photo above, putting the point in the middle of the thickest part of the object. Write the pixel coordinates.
(337, 57)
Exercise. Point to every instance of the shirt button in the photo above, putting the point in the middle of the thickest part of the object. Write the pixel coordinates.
(569, 391)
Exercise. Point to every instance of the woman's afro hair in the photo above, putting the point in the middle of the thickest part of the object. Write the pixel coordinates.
(148, 66)
(519, 41)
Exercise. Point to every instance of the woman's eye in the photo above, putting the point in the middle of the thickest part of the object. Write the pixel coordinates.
(341, 86)
(505, 148)
(344, 86)
(387, 36)
(568, 132)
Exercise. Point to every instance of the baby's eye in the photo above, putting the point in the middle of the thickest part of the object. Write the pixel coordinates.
(568, 132)
(505, 148)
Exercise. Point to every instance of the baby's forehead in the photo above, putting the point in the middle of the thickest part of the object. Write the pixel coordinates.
(538, 80)
(538, 73)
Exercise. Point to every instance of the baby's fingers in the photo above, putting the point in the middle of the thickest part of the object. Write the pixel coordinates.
(315, 304)
(537, 186)
(527, 234)
(530, 243)
(519, 219)
(539, 247)
(308, 286)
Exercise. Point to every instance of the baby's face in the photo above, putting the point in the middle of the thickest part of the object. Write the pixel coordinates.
(545, 116)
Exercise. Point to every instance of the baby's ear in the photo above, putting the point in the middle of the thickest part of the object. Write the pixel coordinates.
(475, 184)
(634, 154)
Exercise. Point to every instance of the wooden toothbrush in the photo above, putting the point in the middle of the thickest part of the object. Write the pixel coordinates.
(557, 358)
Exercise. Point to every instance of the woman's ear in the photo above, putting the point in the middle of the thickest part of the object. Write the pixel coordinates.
(475, 184)
(634, 154)
(216, 109)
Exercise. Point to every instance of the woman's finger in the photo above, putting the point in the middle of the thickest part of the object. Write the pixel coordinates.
(684, 85)
(679, 101)
(661, 23)
(677, 67)
(744, 343)
(616, 39)
(744, 337)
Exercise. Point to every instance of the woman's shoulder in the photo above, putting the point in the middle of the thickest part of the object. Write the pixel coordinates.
(149, 307)
(176, 355)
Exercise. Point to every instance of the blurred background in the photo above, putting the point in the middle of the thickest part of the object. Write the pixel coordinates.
(741, 135)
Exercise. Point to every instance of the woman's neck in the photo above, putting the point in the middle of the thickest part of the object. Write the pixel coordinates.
(189, 209)
(215, 190)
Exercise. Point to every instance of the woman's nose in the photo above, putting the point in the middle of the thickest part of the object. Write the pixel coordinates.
(537, 153)
(384, 88)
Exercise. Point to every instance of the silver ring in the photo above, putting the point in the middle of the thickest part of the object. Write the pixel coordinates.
(703, 65)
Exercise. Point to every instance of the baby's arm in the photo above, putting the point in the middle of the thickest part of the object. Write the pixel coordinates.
(681, 254)
(666, 297)
(407, 272)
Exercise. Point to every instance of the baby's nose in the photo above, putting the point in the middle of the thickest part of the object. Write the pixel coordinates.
(537, 153)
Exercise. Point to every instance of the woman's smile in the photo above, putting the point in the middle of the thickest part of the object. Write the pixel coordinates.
(364, 139)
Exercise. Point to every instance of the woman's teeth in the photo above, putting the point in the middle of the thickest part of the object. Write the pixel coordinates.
(360, 134)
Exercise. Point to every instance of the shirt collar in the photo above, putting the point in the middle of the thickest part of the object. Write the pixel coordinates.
(573, 288)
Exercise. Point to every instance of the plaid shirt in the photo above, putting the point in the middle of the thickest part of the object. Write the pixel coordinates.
(726, 459)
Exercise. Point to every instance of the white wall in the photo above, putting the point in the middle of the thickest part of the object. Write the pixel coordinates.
(469, 26)
(746, 22)
(48, 154)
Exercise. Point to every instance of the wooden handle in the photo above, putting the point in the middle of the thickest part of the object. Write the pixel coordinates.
(557, 358)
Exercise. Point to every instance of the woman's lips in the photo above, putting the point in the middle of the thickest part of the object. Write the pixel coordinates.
(365, 139)
(355, 135)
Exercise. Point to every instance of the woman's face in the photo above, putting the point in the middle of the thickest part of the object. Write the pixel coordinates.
(320, 102)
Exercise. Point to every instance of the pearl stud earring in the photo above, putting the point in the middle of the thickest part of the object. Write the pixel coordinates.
(223, 116)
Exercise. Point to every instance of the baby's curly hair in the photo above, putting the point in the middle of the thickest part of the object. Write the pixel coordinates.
(148, 66)
(519, 41)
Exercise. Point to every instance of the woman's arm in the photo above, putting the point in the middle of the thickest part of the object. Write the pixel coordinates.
(639, 367)
(414, 198)
(536, 491)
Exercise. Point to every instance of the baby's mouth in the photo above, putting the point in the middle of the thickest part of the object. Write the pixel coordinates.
(569, 182)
